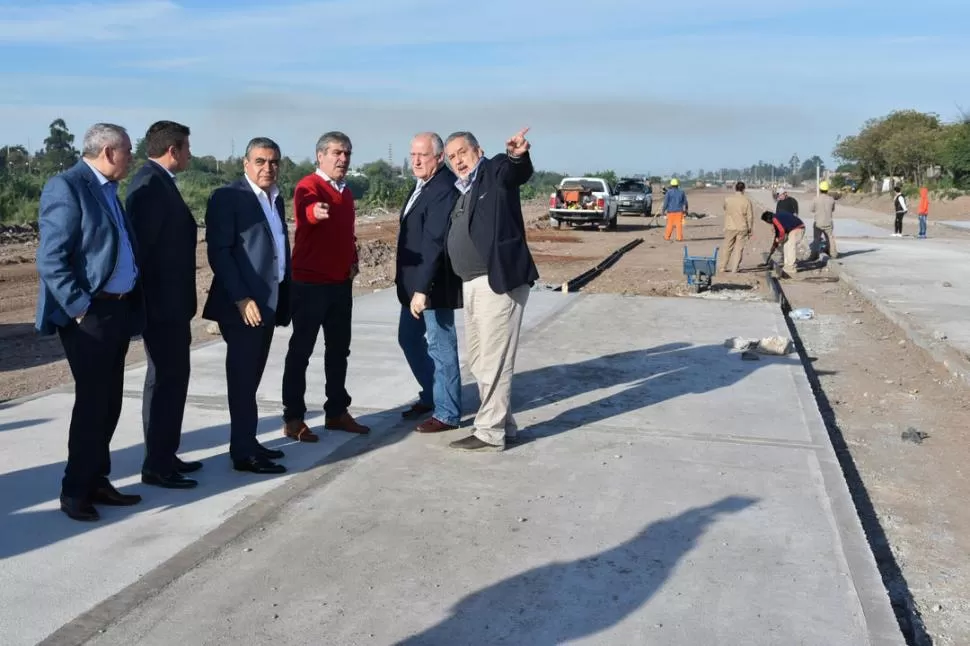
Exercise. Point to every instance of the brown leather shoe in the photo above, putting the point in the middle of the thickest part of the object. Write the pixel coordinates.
(345, 423)
(296, 429)
(434, 425)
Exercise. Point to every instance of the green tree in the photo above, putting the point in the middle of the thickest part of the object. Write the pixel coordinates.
(955, 152)
(59, 152)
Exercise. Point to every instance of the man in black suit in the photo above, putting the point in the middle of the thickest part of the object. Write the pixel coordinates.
(249, 252)
(488, 250)
(428, 289)
(167, 235)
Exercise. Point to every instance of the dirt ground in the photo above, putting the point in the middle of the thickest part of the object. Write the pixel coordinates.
(872, 384)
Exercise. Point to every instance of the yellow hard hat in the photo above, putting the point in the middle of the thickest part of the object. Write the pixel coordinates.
(823, 186)
(675, 182)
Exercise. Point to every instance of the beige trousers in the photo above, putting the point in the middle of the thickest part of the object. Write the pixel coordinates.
(792, 242)
(729, 257)
(817, 233)
(492, 324)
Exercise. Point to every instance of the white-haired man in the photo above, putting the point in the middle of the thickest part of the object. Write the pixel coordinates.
(90, 296)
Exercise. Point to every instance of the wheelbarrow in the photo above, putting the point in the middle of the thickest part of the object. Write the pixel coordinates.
(700, 270)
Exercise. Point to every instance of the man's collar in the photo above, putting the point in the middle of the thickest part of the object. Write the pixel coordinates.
(337, 185)
(465, 185)
(271, 196)
(101, 178)
(157, 163)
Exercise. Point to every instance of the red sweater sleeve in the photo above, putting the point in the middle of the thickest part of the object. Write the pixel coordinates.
(304, 197)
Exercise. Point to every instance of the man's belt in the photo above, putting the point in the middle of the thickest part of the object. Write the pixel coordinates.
(109, 296)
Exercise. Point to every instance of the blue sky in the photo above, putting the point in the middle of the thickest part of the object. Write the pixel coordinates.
(617, 84)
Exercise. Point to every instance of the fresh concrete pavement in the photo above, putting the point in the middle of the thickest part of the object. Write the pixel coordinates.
(666, 492)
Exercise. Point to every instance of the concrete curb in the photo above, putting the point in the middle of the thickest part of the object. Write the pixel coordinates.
(850, 503)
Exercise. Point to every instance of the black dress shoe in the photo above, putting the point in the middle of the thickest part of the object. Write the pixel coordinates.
(258, 464)
(173, 480)
(268, 453)
(79, 509)
(106, 494)
(186, 467)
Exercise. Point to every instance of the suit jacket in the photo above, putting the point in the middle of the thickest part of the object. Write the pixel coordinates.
(78, 249)
(243, 258)
(496, 225)
(167, 235)
(422, 258)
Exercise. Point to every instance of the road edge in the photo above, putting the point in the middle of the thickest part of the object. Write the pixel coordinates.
(870, 558)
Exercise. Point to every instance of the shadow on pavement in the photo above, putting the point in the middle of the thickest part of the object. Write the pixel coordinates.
(648, 376)
(25, 530)
(562, 602)
(22, 423)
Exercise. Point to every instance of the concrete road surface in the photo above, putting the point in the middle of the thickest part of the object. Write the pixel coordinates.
(667, 492)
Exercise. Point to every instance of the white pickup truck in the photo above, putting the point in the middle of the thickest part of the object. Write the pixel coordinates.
(583, 200)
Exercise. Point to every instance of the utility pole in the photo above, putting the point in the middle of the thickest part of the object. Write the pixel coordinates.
(818, 177)
(390, 155)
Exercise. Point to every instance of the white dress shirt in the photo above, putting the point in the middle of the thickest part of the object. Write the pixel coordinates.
(414, 196)
(268, 202)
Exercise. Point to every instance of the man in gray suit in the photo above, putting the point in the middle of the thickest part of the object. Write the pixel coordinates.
(90, 296)
(249, 252)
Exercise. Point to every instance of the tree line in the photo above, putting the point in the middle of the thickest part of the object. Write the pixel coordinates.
(915, 147)
(376, 185)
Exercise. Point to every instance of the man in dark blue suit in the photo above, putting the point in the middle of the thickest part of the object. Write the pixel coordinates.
(90, 296)
(249, 252)
(167, 236)
(428, 289)
(488, 249)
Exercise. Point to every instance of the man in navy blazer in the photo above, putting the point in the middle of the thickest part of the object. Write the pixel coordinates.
(249, 252)
(488, 249)
(90, 296)
(428, 289)
(167, 235)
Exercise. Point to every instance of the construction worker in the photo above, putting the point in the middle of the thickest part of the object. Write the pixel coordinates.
(738, 225)
(823, 207)
(786, 203)
(789, 231)
(675, 209)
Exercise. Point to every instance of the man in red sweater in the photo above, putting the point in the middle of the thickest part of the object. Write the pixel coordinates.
(324, 257)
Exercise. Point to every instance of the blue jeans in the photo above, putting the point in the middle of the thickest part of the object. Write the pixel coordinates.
(922, 226)
(430, 345)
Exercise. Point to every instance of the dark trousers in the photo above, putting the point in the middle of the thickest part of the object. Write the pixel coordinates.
(899, 223)
(95, 351)
(247, 349)
(314, 307)
(167, 345)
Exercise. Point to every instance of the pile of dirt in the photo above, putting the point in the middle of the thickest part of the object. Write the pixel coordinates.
(375, 253)
(18, 233)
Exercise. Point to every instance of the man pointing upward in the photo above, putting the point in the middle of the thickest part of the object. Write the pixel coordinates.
(496, 276)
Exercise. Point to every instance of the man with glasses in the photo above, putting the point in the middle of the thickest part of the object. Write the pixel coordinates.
(249, 253)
